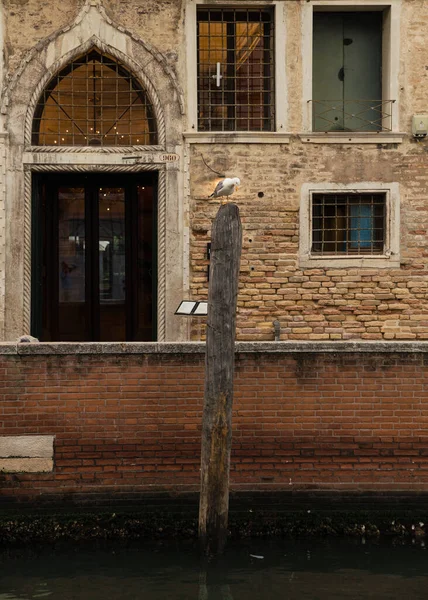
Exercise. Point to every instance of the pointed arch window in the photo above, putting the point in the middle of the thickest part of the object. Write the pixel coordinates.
(94, 101)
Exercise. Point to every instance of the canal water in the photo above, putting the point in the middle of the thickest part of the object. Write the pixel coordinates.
(283, 569)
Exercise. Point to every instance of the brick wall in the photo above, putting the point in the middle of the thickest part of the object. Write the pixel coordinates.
(126, 419)
(318, 303)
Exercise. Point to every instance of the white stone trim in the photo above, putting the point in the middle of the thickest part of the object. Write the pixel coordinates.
(346, 137)
(133, 67)
(95, 167)
(26, 293)
(390, 49)
(26, 453)
(236, 137)
(191, 45)
(98, 158)
(26, 465)
(26, 446)
(161, 266)
(186, 217)
(89, 168)
(391, 259)
(281, 92)
(3, 147)
(199, 348)
(92, 149)
(281, 88)
(2, 46)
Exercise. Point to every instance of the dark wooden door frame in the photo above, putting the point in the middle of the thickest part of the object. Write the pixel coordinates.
(44, 230)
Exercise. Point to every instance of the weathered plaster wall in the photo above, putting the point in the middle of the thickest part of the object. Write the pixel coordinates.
(158, 22)
(28, 22)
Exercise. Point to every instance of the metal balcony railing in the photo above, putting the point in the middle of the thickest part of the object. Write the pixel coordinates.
(352, 115)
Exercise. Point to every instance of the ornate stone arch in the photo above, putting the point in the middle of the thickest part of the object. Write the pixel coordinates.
(131, 65)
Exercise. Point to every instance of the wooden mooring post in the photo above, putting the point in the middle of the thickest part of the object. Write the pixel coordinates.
(226, 243)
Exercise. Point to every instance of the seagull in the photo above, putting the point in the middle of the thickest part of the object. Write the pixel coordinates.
(226, 187)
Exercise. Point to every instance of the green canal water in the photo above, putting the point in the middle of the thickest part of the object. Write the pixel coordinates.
(286, 569)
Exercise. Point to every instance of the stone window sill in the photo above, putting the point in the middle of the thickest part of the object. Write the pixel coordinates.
(102, 349)
(237, 137)
(339, 262)
(346, 137)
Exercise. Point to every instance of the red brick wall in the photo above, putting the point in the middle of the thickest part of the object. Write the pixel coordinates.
(127, 424)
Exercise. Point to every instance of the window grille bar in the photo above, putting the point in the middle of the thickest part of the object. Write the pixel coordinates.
(94, 101)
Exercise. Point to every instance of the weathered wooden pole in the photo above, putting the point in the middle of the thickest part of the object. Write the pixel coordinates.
(226, 242)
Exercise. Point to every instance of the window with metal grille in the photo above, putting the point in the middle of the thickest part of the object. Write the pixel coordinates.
(94, 101)
(235, 69)
(348, 224)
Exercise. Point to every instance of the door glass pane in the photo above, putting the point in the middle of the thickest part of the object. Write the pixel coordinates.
(71, 263)
(111, 261)
(98, 265)
(146, 261)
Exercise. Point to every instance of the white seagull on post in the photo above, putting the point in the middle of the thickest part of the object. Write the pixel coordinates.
(226, 187)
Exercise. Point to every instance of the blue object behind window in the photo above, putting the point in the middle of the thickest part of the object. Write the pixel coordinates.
(361, 234)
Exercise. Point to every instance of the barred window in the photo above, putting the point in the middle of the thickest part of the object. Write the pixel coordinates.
(235, 69)
(348, 224)
(94, 101)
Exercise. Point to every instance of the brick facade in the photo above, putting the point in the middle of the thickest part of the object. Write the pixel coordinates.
(127, 423)
(323, 303)
(319, 303)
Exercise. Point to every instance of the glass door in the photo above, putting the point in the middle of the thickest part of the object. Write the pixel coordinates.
(94, 266)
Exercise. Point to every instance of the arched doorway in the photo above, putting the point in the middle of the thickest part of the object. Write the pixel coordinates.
(94, 240)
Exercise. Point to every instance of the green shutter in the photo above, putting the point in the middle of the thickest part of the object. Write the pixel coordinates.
(347, 77)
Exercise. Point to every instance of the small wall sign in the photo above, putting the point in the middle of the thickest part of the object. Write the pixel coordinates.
(156, 157)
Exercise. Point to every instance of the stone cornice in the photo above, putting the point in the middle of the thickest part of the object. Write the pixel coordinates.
(303, 347)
